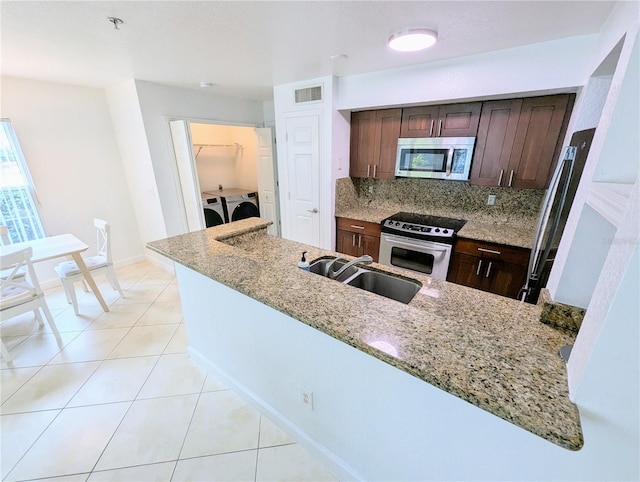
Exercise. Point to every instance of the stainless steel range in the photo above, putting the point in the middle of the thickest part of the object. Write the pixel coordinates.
(419, 242)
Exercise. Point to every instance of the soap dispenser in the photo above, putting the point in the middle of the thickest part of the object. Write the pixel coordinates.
(303, 263)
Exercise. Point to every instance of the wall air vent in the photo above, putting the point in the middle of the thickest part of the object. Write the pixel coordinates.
(309, 94)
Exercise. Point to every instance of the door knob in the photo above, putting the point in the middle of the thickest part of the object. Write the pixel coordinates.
(314, 210)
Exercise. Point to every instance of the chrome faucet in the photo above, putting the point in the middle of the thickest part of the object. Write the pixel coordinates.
(328, 270)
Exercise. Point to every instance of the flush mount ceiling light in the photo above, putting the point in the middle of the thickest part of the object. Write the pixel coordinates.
(206, 85)
(412, 39)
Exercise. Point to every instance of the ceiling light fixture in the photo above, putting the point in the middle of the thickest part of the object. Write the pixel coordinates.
(116, 22)
(206, 85)
(412, 39)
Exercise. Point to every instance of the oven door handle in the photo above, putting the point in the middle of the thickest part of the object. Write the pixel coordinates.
(422, 247)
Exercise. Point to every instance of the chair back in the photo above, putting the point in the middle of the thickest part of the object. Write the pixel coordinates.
(103, 238)
(12, 263)
(4, 235)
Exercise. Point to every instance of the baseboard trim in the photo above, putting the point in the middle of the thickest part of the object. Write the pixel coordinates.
(328, 458)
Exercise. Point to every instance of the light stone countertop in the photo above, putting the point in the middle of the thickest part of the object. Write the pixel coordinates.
(486, 349)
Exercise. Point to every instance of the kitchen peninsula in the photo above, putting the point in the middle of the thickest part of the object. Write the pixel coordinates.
(406, 381)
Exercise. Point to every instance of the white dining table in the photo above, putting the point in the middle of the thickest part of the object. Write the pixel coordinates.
(59, 246)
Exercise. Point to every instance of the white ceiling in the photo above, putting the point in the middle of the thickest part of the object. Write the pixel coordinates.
(247, 47)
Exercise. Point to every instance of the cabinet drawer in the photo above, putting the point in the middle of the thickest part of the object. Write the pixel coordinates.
(508, 254)
(355, 226)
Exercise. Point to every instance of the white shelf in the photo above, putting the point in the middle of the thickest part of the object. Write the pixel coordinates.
(610, 200)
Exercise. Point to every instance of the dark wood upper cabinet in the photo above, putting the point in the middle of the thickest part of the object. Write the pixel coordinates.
(541, 128)
(374, 139)
(451, 120)
(519, 140)
(496, 134)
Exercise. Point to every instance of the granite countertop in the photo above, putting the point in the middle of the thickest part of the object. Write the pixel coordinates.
(498, 232)
(486, 349)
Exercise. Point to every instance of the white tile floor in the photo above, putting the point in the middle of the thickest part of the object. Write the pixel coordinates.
(121, 400)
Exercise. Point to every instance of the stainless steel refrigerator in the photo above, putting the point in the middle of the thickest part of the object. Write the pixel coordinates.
(554, 212)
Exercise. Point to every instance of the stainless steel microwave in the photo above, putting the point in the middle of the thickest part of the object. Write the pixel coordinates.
(435, 157)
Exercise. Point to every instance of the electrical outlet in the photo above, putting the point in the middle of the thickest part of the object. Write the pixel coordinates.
(491, 200)
(370, 189)
(306, 397)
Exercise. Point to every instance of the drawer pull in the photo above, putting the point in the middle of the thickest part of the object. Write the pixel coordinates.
(488, 270)
(479, 268)
(354, 226)
(490, 251)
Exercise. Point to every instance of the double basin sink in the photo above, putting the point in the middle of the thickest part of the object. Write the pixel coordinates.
(383, 284)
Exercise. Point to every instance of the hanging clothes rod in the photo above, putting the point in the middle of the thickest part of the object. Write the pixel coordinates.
(202, 146)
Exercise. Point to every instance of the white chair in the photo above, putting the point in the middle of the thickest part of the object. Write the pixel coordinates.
(22, 294)
(69, 272)
(4, 237)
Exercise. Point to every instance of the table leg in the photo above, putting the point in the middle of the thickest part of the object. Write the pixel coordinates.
(87, 276)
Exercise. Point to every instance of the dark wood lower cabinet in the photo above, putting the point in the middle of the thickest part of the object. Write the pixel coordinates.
(489, 267)
(357, 238)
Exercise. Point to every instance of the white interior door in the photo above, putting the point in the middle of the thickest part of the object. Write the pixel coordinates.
(303, 155)
(267, 186)
(185, 159)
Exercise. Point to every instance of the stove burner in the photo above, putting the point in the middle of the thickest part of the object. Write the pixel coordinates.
(423, 226)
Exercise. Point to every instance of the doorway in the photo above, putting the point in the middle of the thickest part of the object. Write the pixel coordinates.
(225, 170)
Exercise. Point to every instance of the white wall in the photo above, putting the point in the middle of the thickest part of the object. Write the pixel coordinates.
(70, 146)
(161, 103)
(560, 65)
(226, 166)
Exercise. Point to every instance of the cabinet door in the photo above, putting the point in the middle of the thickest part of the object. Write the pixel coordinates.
(496, 134)
(459, 120)
(541, 127)
(419, 121)
(387, 133)
(363, 143)
(503, 279)
(347, 243)
(464, 270)
(370, 245)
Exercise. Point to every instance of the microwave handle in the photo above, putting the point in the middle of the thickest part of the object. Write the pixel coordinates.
(449, 160)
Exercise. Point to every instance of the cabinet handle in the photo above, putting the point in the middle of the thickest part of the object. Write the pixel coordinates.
(375, 170)
(359, 241)
(431, 128)
(491, 251)
(368, 169)
(488, 270)
(479, 267)
(354, 226)
(500, 178)
(511, 178)
(353, 241)
(439, 127)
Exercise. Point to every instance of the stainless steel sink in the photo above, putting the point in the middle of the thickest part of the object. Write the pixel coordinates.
(383, 284)
(398, 289)
(319, 266)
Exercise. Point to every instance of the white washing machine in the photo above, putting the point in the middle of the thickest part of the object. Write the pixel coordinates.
(215, 210)
(240, 203)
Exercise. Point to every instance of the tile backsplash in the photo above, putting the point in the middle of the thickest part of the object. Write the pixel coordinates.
(517, 207)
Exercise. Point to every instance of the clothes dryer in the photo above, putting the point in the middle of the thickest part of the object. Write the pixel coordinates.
(240, 203)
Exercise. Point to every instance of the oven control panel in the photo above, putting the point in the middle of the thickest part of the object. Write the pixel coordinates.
(402, 227)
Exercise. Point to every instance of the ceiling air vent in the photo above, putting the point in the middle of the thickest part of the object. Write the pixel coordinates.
(310, 94)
